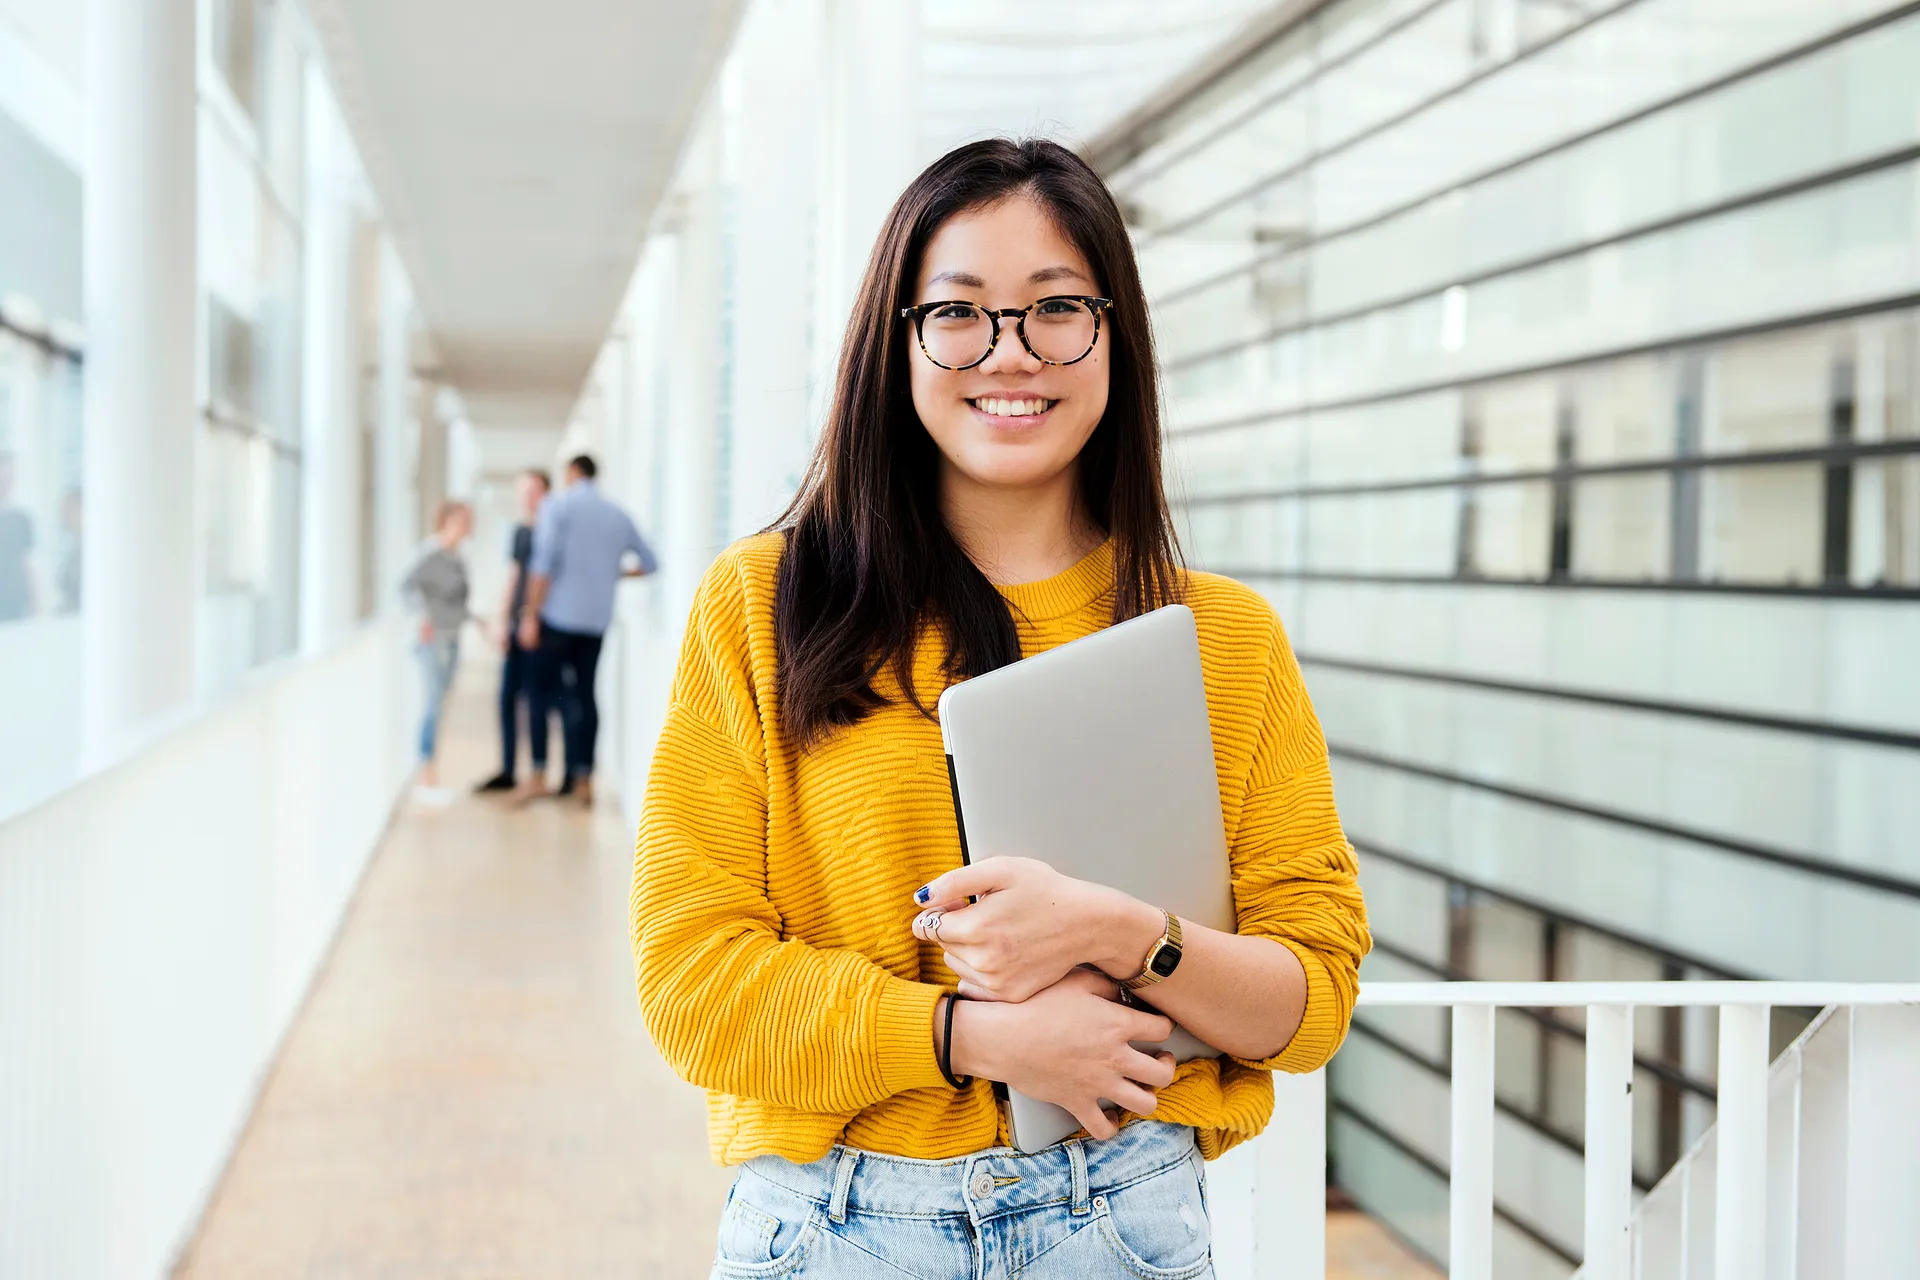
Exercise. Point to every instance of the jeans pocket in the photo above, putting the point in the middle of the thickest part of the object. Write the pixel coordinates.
(764, 1231)
(1158, 1226)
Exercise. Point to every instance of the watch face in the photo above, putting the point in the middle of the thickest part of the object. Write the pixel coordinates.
(1165, 961)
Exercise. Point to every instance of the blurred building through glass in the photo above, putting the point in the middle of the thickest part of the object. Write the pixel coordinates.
(1552, 367)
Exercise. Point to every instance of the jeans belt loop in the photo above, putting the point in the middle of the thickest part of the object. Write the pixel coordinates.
(842, 1184)
(1077, 1158)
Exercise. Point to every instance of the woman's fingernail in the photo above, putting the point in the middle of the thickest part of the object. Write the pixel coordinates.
(921, 894)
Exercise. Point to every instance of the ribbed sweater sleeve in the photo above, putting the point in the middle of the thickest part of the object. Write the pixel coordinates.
(1294, 877)
(734, 1004)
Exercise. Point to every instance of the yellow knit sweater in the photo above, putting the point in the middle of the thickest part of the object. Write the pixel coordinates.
(772, 890)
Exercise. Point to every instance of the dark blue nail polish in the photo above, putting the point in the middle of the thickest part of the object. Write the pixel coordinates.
(921, 894)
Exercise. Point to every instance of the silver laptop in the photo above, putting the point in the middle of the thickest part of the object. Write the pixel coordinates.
(1096, 757)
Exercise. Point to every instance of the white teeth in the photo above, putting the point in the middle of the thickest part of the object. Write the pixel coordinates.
(1012, 408)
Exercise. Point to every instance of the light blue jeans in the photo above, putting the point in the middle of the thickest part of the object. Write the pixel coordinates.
(1133, 1206)
(437, 661)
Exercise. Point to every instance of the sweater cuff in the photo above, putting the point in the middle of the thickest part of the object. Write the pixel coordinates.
(903, 1028)
(1321, 1026)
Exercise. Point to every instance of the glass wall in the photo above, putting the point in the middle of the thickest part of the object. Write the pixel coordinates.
(251, 175)
(41, 503)
(1553, 368)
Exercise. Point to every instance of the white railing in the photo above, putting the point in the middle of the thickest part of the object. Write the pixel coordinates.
(1268, 1196)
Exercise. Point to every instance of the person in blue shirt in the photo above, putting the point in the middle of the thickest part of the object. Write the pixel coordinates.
(581, 545)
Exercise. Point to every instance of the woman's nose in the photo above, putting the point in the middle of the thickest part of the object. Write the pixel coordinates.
(1010, 355)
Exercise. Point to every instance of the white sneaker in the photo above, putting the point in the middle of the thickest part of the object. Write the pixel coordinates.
(435, 797)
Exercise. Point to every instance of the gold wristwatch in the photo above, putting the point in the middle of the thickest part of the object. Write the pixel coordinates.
(1163, 957)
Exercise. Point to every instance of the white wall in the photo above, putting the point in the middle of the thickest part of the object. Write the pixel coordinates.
(159, 926)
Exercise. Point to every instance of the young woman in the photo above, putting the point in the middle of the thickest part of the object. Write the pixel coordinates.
(436, 588)
(987, 486)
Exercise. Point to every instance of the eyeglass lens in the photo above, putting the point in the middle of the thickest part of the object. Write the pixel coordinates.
(1059, 330)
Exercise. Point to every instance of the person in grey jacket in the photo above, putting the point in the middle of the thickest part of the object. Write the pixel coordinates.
(436, 589)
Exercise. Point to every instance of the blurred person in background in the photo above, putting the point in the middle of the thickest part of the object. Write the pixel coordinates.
(18, 599)
(530, 491)
(581, 545)
(987, 485)
(72, 524)
(436, 589)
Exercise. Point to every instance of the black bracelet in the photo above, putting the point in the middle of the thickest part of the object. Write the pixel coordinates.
(946, 1050)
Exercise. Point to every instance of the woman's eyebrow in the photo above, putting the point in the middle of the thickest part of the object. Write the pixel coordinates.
(964, 279)
(1061, 272)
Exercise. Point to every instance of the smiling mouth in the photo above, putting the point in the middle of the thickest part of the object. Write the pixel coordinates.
(1019, 407)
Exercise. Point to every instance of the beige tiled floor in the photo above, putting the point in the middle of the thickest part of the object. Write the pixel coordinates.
(470, 1091)
(1358, 1248)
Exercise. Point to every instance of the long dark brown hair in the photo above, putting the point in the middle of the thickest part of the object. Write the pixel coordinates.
(869, 560)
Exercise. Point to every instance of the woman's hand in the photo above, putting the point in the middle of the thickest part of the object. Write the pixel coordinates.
(1030, 927)
(1068, 1045)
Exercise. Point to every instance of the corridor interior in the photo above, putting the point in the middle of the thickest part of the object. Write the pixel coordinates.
(470, 1092)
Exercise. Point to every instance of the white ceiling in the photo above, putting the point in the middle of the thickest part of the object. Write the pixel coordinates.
(519, 149)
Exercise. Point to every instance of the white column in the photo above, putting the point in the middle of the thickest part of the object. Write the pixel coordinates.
(396, 518)
(330, 390)
(869, 151)
(138, 242)
(772, 108)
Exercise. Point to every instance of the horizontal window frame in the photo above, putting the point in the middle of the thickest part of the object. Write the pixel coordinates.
(1772, 62)
(1394, 121)
(49, 345)
(1658, 226)
(1660, 346)
(1313, 75)
(240, 424)
(1825, 730)
(1374, 849)
(1791, 591)
(1823, 454)
(1421, 1158)
(1818, 869)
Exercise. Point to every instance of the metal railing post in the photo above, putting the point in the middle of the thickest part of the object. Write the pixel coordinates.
(1609, 1142)
(1470, 1202)
(1740, 1176)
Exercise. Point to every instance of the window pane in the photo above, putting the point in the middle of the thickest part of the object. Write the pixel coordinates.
(1622, 527)
(1770, 393)
(1885, 524)
(1762, 524)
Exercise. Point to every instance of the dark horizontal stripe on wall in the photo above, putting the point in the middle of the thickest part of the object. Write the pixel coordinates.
(1740, 848)
(1691, 710)
(1312, 77)
(1434, 1167)
(1662, 950)
(1750, 71)
(248, 427)
(1678, 342)
(1721, 208)
(1789, 590)
(1549, 1021)
(1387, 125)
(1393, 1044)
(1826, 455)
(45, 341)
